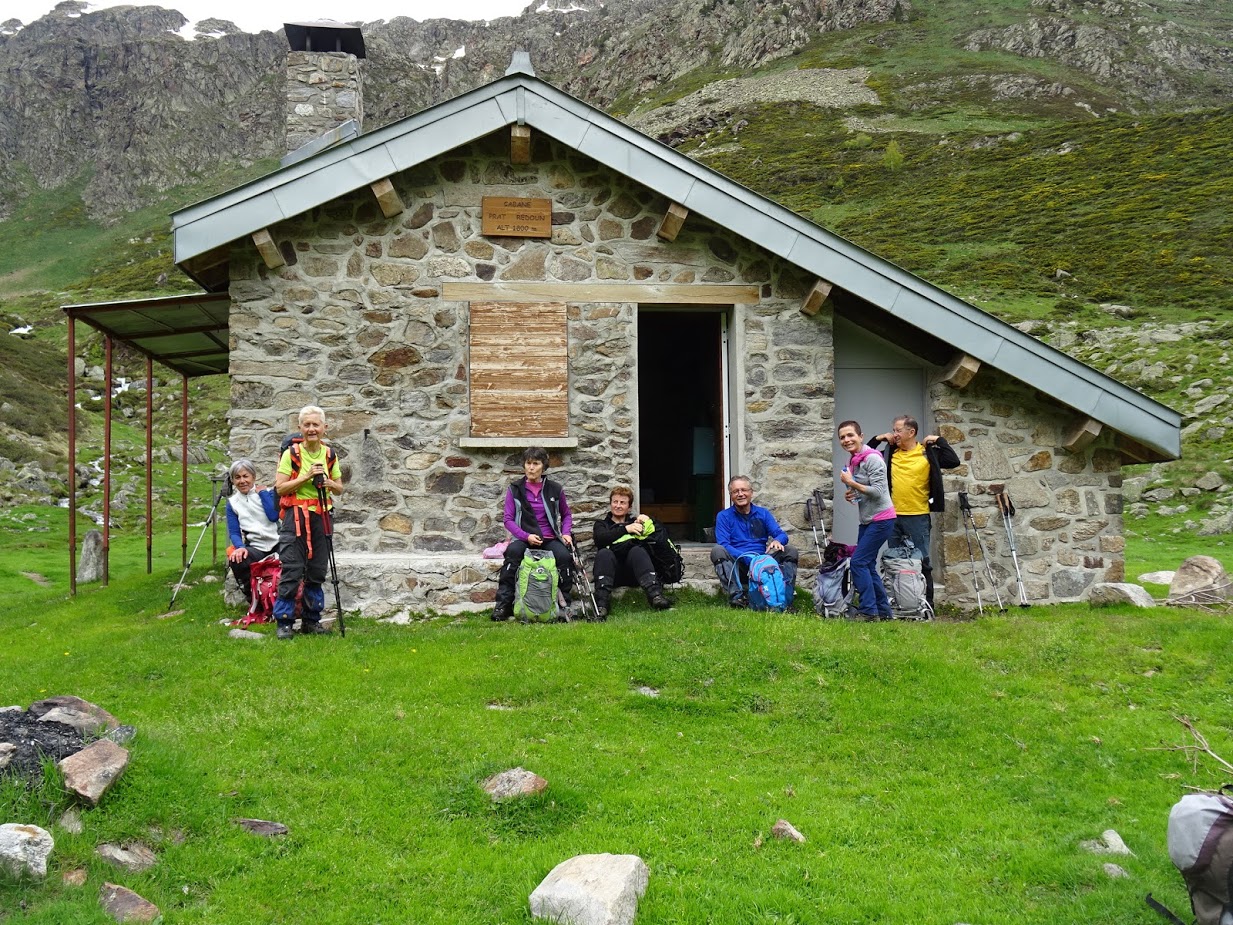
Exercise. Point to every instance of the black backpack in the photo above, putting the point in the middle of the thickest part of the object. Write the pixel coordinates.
(666, 556)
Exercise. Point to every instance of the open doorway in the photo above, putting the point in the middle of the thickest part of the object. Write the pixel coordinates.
(681, 410)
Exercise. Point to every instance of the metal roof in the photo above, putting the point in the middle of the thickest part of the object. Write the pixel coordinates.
(186, 333)
(201, 230)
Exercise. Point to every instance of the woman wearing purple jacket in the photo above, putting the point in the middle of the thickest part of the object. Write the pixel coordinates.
(538, 517)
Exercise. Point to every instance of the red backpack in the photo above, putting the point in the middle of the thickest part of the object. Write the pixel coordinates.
(265, 575)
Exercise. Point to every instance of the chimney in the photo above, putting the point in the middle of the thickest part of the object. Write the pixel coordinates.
(325, 89)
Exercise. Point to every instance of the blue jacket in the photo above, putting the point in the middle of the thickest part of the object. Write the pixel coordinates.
(743, 534)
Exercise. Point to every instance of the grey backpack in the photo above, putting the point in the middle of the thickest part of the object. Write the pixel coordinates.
(1200, 844)
(905, 586)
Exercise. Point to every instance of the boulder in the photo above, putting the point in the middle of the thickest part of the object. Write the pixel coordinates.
(1108, 843)
(1199, 580)
(1106, 593)
(592, 889)
(516, 782)
(24, 849)
(785, 829)
(262, 827)
(90, 773)
(1163, 577)
(82, 715)
(123, 905)
(134, 858)
(1210, 481)
(90, 565)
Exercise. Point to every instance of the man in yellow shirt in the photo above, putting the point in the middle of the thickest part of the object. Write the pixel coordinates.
(914, 473)
(303, 546)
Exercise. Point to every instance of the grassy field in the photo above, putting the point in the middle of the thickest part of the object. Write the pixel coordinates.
(941, 772)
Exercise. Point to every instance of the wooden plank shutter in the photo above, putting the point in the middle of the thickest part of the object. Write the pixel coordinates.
(519, 370)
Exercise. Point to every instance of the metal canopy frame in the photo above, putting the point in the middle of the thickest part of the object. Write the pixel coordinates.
(189, 335)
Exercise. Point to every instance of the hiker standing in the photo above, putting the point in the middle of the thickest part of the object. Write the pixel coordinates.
(914, 478)
(252, 524)
(865, 478)
(302, 543)
(538, 517)
(746, 529)
(622, 556)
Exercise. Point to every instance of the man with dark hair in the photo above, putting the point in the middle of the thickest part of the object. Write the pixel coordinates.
(914, 474)
(538, 517)
(744, 529)
(622, 557)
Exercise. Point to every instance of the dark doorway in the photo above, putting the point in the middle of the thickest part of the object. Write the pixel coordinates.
(681, 430)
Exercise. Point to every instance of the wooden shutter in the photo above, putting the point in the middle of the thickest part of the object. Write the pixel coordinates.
(519, 368)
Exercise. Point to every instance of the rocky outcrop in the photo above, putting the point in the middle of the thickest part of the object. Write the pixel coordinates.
(120, 96)
(1149, 51)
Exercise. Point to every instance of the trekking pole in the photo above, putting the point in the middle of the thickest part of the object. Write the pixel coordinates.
(586, 584)
(814, 507)
(980, 544)
(224, 490)
(1008, 512)
(327, 525)
(965, 509)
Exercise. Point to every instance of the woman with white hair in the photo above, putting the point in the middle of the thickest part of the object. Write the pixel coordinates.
(252, 523)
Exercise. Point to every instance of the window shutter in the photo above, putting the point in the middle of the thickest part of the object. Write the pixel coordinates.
(519, 369)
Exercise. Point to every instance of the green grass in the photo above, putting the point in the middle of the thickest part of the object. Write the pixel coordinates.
(941, 772)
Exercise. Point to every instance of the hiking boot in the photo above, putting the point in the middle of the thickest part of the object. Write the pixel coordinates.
(740, 602)
(284, 631)
(603, 605)
(502, 612)
(655, 597)
(312, 628)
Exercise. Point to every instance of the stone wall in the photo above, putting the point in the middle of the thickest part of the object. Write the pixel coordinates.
(323, 90)
(357, 323)
(1068, 521)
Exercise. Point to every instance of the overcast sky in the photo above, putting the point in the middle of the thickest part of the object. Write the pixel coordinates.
(255, 15)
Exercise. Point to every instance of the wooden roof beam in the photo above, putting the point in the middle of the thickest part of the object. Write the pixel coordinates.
(961, 371)
(674, 218)
(387, 197)
(1082, 435)
(268, 249)
(520, 144)
(818, 296)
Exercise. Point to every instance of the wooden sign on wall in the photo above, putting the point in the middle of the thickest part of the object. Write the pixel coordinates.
(517, 218)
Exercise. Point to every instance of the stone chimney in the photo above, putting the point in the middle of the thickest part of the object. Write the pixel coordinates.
(325, 87)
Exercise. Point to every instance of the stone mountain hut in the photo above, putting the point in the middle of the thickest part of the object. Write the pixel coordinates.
(515, 267)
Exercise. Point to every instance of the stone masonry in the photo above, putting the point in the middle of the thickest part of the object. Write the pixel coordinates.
(357, 323)
(1068, 519)
(324, 89)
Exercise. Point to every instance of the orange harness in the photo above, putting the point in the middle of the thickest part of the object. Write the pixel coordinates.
(300, 508)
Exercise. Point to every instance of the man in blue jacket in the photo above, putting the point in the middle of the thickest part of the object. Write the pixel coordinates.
(744, 529)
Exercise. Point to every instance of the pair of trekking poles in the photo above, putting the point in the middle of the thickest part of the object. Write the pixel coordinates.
(1007, 509)
(327, 522)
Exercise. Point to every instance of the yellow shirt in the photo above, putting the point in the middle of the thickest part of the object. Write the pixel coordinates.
(307, 461)
(910, 481)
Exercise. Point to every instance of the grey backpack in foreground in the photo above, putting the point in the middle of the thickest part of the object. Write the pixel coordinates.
(1200, 844)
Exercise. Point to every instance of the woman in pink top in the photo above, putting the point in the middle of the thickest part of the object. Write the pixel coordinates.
(867, 487)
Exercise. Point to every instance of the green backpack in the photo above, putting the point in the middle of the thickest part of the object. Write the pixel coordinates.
(536, 596)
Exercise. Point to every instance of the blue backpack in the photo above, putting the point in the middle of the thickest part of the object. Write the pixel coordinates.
(767, 589)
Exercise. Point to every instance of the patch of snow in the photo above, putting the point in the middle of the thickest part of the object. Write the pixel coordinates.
(24, 329)
(460, 52)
